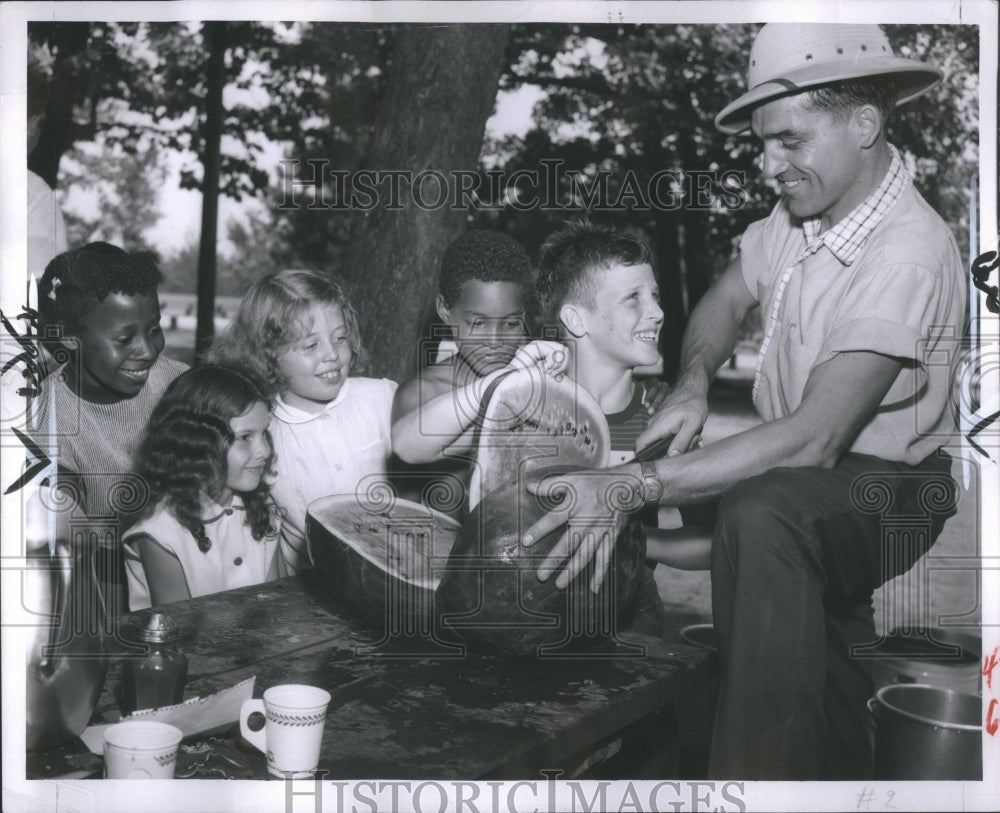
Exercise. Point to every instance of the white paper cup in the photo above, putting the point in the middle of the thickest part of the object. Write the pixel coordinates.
(141, 749)
(293, 729)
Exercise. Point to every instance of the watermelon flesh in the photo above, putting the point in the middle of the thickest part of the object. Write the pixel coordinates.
(382, 560)
(491, 599)
(533, 421)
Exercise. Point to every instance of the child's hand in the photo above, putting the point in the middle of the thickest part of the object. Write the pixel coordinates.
(551, 357)
(655, 395)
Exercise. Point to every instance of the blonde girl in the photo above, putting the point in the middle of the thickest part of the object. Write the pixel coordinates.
(298, 331)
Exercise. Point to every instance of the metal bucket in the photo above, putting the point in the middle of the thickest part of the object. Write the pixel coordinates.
(909, 658)
(926, 732)
(700, 635)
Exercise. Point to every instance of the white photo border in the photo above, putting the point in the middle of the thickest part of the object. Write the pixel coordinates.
(21, 794)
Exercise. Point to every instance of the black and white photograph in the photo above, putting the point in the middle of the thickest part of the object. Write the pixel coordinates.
(500, 406)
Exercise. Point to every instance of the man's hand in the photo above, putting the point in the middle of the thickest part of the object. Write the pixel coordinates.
(593, 505)
(682, 417)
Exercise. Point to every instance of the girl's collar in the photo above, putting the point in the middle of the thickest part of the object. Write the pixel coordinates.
(291, 414)
(211, 511)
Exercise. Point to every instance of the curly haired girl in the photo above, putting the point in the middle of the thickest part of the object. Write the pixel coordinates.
(213, 525)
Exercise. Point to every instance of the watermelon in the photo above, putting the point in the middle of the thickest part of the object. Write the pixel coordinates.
(410, 568)
(380, 559)
(491, 598)
(531, 421)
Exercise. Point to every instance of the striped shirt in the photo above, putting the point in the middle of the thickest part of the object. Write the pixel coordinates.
(627, 425)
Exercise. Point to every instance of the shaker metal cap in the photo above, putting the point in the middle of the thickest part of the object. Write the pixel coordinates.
(159, 628)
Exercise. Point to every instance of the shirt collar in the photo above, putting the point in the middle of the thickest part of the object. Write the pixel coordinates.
(211, 511)
(292, 414)
(847, 236)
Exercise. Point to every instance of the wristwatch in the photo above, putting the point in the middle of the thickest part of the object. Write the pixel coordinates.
(652, 488)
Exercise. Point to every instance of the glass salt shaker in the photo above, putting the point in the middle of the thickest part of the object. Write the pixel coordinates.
(157, 679)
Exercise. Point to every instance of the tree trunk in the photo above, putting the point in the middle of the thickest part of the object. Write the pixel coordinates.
(668, 261)
(440, 90)
(59, 129)
(215, 37)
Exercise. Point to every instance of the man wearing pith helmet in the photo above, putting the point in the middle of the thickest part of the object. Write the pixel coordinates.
(860, 285)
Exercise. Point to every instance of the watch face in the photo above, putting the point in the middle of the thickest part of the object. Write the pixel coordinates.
(652, 488)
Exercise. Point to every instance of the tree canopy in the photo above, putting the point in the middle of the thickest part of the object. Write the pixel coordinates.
(622, 133)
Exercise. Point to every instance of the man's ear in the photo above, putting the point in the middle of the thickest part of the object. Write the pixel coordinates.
(573, 320)
(443, 311)
(868, 121)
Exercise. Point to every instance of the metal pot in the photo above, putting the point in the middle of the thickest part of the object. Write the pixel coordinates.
(926, 732)
(700, 635)
(66, 662)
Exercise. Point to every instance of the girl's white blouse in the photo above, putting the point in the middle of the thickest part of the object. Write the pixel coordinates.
(235, 558)
(343, 448)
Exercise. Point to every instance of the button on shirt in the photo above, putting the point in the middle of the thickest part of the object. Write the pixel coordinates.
(887, 279)
(234, 559)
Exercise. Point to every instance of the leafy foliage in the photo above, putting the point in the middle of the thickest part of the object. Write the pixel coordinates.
(125, 184)
(618, 105)
(941, 129)
(638, 99)
(141, 84)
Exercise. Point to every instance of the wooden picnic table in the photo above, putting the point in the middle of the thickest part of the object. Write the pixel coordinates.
(405, 709)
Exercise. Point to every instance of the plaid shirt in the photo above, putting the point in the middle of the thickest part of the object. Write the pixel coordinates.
(844, 240)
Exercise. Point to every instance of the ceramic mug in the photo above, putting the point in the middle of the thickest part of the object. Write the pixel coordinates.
(293, 729)
(141, 749)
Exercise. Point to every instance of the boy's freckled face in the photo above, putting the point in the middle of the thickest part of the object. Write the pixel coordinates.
(316, 365)
(488, 319)
(624, 324)
(118, 345)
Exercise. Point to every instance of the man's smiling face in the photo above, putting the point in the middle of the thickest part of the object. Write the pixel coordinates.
(815, 158)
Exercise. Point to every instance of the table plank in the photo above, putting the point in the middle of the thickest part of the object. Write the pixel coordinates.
(223, 631)
(478, 717)
(406, 714)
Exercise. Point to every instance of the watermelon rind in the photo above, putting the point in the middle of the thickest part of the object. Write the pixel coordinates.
(491, 597)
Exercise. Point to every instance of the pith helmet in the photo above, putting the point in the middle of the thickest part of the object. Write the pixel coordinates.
(788, 58)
